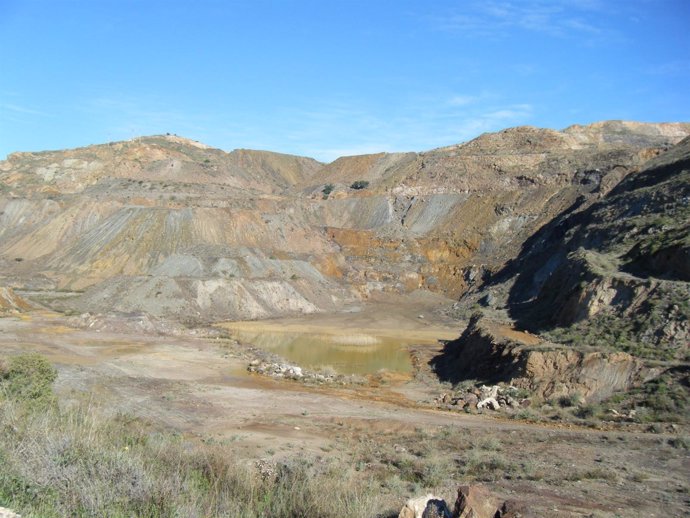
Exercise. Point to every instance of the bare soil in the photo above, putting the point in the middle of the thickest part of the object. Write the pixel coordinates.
(197, 383)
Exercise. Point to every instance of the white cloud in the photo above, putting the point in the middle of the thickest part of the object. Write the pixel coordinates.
(15, 108)
(495, 19)
(333, 130)
(508, 114)
(670, 68)
(462, 100)
(327, 129)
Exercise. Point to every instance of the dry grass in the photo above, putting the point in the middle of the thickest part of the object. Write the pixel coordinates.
(76, 462)
(80, 462)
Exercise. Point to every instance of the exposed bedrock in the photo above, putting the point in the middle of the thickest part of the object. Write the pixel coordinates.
(492, 352)
(194, 229)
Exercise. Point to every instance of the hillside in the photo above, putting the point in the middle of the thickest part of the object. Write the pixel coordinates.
(171, 227)
(539, 278)
(602, 291)
(625, 259)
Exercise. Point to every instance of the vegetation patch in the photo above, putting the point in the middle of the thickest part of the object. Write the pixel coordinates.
(359, 184)
(28, 378)
(79, 462)
(645, 331)
(327, 190)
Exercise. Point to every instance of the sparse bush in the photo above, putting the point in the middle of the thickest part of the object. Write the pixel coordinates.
(569, 400)
(638, 477)
(77, 462)
(486, 466)
(665, 399)
(680, 443)
(327, 190)
(588, 411)
(527, 414)
(490, 444)
(359, 184)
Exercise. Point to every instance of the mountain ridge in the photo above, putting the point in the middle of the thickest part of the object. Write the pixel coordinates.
(145, 214)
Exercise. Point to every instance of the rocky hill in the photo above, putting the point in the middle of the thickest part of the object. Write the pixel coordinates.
(602, 290)
(561, 258)
(171, 227)
(620, 265)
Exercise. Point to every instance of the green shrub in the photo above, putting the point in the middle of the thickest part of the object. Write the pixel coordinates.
(28, 378)
(485, 466)
(527, 414)
(327, 190)
(359, 184)
(490, 444)
(681, 443)
(569, 400)
(588, 411)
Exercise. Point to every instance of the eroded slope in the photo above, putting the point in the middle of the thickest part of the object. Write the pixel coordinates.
(173, 228)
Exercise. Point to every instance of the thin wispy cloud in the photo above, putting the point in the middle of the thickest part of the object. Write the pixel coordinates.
(14, 115)
(419, 126)
(524, 69)
(131, 109)
(127, 117)
(330, 154)
(425, 75)
(670, 68)
(489, 118)
(462, 100)
(16, 108)
(326, 130)
(496, 19)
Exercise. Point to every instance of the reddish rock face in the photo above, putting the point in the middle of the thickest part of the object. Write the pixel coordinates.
(475, 502)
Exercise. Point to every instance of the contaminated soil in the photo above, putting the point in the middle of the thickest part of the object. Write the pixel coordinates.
(195, 382)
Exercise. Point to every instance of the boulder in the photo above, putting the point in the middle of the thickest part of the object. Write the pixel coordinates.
(490, 403)
(510, 509)
(436, 508)
(424, 507)
(489, 392)
(471, 400)
(475, 502)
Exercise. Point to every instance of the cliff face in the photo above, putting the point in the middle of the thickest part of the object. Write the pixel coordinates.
(493, 352)
(615, 270)
(601, 288)
(174, 228)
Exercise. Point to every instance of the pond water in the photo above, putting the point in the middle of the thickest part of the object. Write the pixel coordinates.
(356, 353)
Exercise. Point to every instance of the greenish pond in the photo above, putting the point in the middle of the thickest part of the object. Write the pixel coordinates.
(345, 354)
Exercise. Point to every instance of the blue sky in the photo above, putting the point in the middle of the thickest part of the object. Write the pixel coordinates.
(326, 78)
